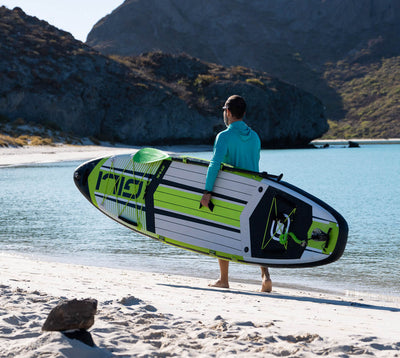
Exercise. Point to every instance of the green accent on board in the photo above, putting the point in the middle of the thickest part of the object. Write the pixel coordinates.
(92, 180)
(188, 203)
(123, 188)
(284, 239)
(332, 236)
(149, 155)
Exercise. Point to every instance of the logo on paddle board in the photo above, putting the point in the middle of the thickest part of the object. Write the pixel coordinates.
(123, 186)
(280, 226)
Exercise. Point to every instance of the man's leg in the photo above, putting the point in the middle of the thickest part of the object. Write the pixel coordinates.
(266, 285)
(223, 280)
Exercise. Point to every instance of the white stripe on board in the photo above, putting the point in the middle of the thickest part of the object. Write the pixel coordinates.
(227, 184)
(175, 213)
(207, 229)
(197, 234)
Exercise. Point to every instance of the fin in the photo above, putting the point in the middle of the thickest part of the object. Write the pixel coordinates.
(149, 155)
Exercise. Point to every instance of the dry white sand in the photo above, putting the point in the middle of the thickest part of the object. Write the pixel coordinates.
(156, 315)
(48, 154)
(152, 314)
(14, 156)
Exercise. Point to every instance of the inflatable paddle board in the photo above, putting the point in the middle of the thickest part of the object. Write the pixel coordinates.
(256, 218)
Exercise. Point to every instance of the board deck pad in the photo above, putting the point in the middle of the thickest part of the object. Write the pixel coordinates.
(256, 218)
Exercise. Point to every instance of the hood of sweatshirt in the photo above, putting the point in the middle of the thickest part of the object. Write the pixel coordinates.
(242, 129)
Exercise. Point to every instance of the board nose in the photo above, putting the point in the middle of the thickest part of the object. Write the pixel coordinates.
(81, 175)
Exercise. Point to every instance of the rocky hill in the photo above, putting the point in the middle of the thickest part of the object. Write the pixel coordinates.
(330, 48)
(47, 77)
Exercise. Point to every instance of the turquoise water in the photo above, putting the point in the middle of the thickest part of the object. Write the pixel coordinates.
(43, 215)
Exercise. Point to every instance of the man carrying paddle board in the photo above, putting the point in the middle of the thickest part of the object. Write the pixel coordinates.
(238, 145)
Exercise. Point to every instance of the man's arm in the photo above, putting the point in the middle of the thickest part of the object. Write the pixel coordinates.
(220, 149)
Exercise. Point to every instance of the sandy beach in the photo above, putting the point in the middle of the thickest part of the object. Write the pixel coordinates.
(152, 314)
(144, 314)
(12, 156)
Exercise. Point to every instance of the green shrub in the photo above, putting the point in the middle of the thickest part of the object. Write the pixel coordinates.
(256, 82)
(204, 80)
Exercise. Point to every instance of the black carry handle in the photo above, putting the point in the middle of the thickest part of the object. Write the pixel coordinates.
(271, 176)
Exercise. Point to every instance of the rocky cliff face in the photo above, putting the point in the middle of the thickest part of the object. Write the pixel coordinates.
(303, 42)
(238, 32)
(48, 77)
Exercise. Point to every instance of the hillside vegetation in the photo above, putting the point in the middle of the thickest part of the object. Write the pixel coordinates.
(49, 79)
(344, 52)
(371, 99)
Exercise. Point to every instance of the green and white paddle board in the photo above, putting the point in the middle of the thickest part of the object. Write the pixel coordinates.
(256, 218)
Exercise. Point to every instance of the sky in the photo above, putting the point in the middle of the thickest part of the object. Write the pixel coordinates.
(74, 16)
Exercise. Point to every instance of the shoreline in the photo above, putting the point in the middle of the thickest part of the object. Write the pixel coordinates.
(17, 156)
(152, 313)
(355, 140)
(26, 155)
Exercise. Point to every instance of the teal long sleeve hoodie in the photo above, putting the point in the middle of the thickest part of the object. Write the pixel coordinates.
(239, 146)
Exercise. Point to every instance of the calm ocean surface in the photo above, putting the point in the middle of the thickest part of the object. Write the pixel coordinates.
(44, 216)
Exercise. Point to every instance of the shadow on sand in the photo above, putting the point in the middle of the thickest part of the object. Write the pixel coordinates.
(273, 295)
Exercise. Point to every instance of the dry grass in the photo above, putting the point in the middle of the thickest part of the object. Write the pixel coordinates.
(22, 140)
(8, 141)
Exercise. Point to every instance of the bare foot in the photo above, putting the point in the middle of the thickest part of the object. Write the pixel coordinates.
(266, 286)
(219, 284)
